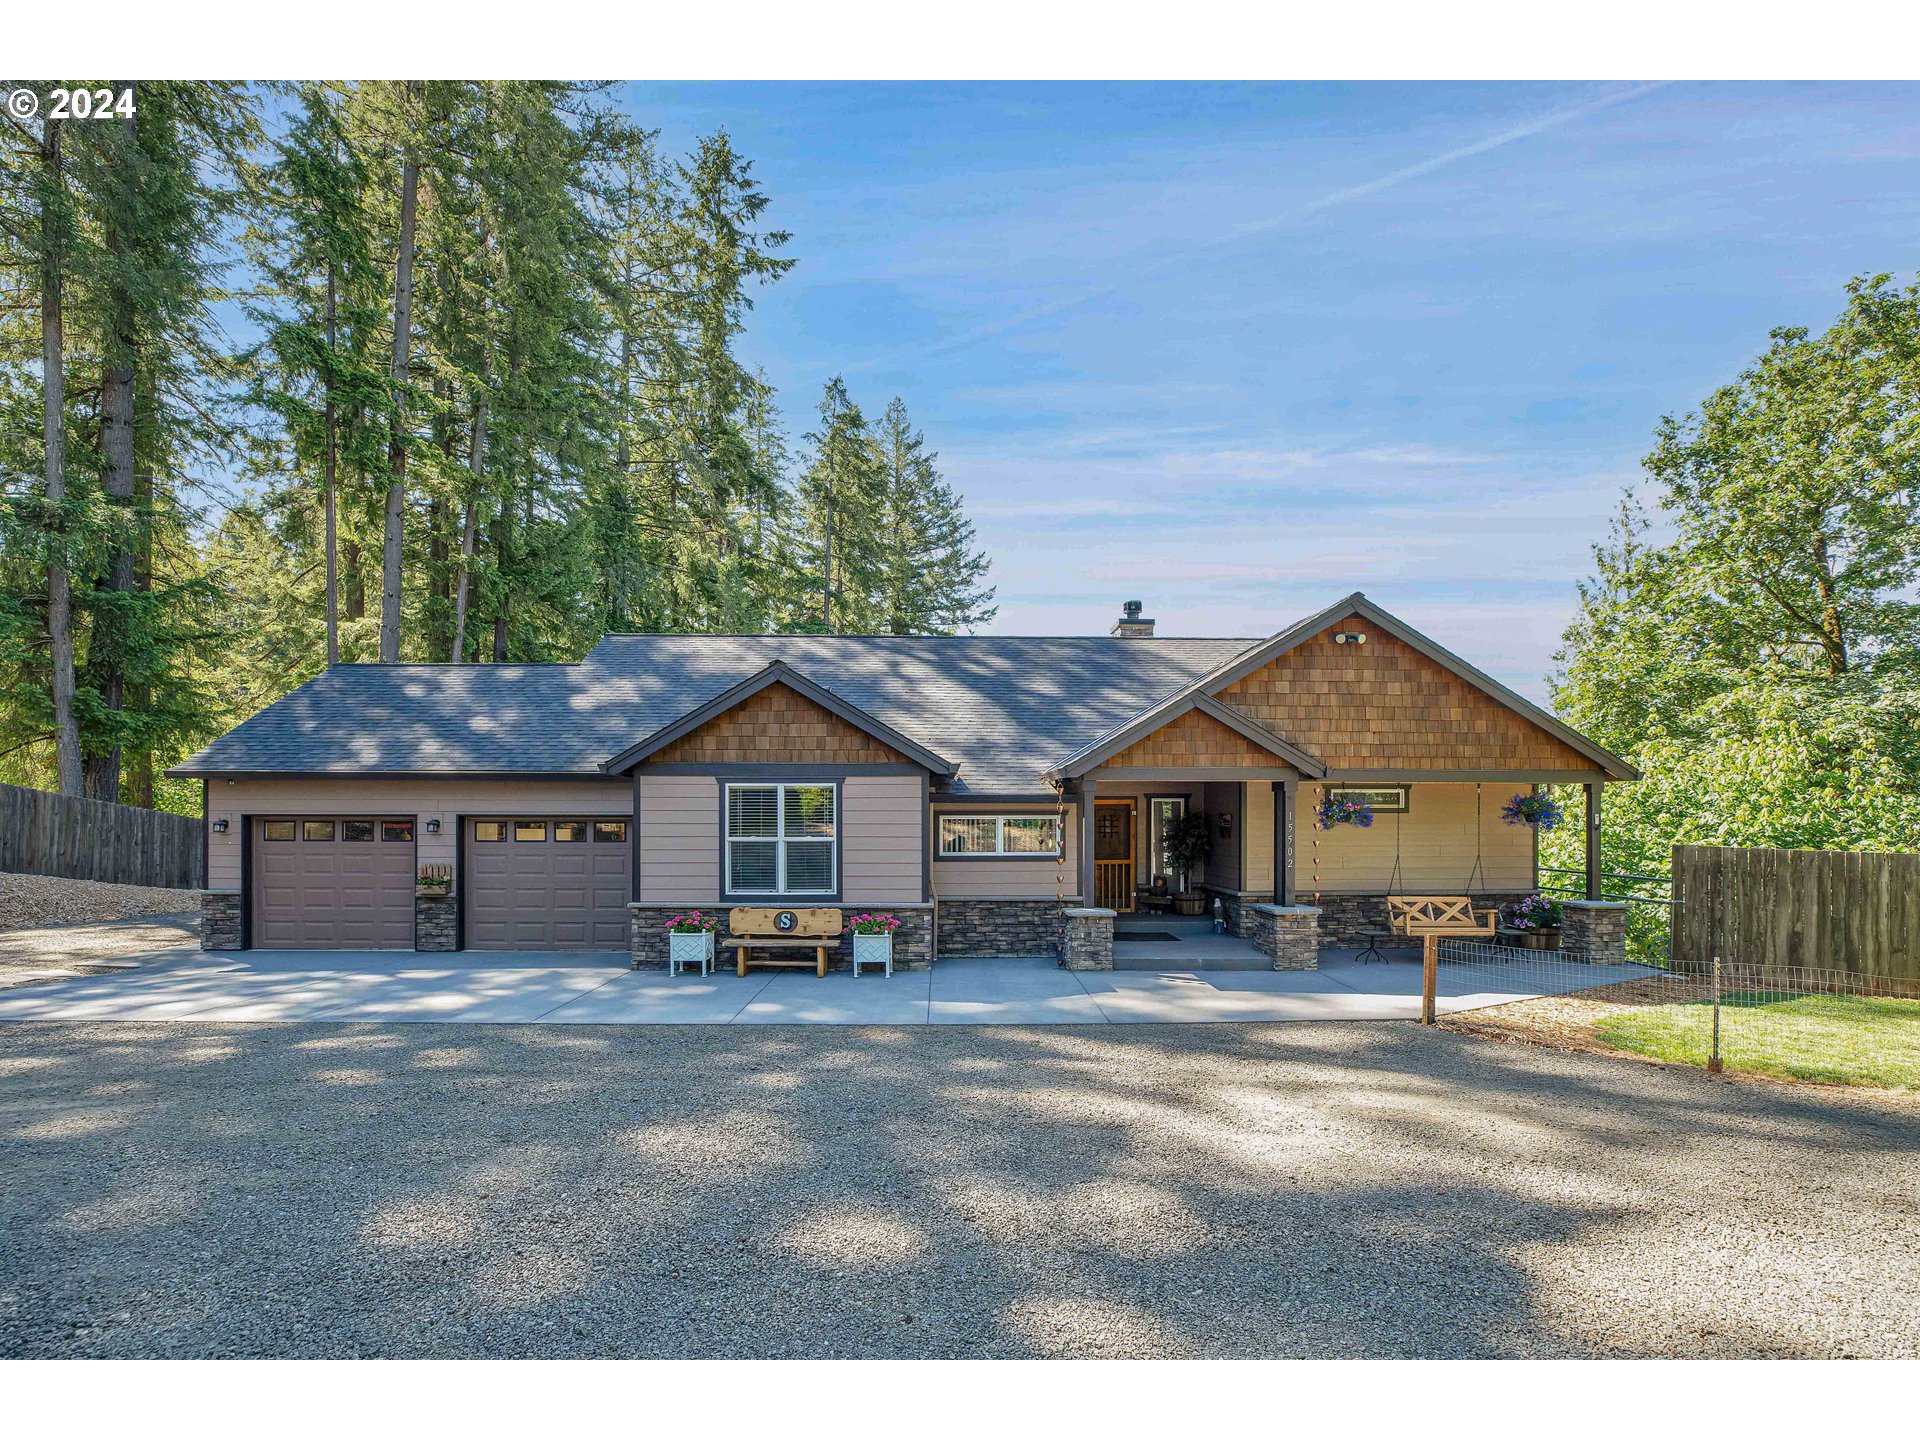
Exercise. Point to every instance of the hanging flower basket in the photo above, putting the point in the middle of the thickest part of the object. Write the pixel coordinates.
(1338, 810)
(1539, 811)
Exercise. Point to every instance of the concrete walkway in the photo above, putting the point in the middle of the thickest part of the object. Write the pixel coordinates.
(600, 989)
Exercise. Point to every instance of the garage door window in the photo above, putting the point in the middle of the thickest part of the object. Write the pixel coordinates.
(781, 839)
(611, 831)
(530, 830)
(489, 829)
(317, 830)
(358, 831)
(400, 831)
(570, 832)
(277, 830)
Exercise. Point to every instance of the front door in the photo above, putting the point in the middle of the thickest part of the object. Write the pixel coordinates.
(1113, 855)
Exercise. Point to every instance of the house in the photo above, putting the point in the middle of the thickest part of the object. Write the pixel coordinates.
(1002, 795)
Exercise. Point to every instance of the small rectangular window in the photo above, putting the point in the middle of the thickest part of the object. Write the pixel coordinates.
(317, 830)
(359, 831)
(1381, 799)
(529, 829)
(999, 835)
(400, 830)
(612, 831)
(489, 829)
(570, 832)
(276, 830)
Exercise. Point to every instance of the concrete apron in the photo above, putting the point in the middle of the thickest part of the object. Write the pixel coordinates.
(592, 989)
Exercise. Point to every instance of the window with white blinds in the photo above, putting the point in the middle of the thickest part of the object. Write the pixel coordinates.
(999, 835)
(781, 839)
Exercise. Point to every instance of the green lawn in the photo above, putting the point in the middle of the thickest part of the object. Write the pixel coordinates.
(1843, 1039)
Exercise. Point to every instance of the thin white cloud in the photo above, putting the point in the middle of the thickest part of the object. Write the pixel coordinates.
(1234, 235)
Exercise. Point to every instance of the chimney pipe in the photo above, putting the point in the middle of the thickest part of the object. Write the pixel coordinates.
(1130, 622)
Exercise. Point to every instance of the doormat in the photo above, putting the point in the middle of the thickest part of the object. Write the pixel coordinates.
(1158, 937)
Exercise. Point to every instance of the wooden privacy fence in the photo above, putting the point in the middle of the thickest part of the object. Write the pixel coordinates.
(46, 834)
(1797, 909)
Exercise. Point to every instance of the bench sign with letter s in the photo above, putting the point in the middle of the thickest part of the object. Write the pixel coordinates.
(786, 920)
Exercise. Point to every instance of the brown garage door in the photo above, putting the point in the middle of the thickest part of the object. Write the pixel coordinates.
(547, 883)
(333, 883)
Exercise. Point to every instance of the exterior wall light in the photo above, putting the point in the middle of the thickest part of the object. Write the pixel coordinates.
(1349, 637)
(433, 827)
(220, 826)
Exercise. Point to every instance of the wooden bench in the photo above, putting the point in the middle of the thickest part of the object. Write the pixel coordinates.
(769, 931)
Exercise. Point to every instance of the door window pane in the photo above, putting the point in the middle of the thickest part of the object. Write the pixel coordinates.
(317, 830)
(529, 829)
(358, 831)
(489, 829)
(613, 831)
(400, 830)
(276, 830)
(570, 832)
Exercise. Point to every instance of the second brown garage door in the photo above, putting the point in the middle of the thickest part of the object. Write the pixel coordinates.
(548, 883)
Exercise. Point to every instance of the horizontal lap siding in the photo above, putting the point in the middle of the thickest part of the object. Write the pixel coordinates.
(1436, 846)
(444, 800)
(882, 839)
(679, 839)
(1008, 879)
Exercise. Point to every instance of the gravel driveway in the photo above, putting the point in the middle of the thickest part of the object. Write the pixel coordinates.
(1353, 1189)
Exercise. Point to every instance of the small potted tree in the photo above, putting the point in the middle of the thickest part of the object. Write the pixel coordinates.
(690, 940)
(1534, 921)
(1189, 842)
(873, 940)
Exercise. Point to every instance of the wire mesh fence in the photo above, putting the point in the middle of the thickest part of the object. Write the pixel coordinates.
(1825, 1025)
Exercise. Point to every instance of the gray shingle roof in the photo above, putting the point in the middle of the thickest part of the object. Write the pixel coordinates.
(1004, 708)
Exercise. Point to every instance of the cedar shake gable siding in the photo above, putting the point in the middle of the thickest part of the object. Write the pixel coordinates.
(1194, 739)
(778, 725)
(1385, 706)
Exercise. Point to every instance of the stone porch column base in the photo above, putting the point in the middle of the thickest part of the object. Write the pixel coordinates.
(219, 921)
(1594, 931)
(1288, 934)
(1089, 939)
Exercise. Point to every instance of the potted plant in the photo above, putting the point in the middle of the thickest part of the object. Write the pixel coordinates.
(1534, 920)
(1189, 842)
(434, 882)
(1539, 811)
(690, 939)
(1339, 810)
(873, 940)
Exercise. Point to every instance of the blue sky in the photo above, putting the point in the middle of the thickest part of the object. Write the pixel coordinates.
(1238, 350)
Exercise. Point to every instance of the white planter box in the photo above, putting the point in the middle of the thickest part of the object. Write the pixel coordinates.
(695, 950)
(873, 950)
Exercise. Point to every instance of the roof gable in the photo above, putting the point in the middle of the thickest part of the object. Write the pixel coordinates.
(1188, 730)
(1397, 702)
(778, 716)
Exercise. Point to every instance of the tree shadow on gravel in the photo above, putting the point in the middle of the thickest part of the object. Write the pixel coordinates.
(1153, 1190)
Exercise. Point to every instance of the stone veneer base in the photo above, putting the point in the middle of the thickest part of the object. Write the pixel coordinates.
(991, 929)
(1088, 939)
(1289, 935)
(220, 927)
(1344, 917)
(436, 923)
(912, 942)
(1594, 932)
